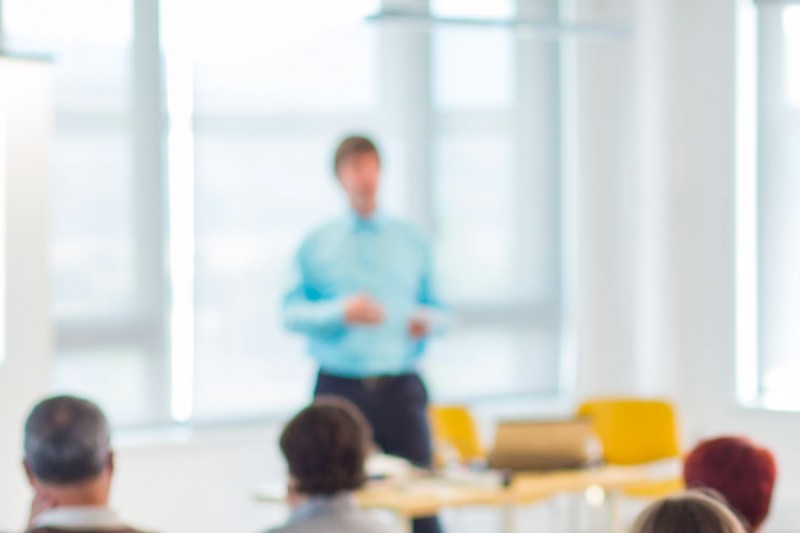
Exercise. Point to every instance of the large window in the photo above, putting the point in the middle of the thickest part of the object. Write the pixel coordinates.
(775, 201)
(105, 236)
(193, 150)
(496, 187)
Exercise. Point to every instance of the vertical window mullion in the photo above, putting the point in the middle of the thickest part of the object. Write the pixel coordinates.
(180, 227)
(147, 120)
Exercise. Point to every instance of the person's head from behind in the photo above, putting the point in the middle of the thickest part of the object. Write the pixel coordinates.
(68, 457)
(357, 165)
(326, 446)
(688, 512)
(739, 470)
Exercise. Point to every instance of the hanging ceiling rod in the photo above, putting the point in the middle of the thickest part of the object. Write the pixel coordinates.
(525, 29)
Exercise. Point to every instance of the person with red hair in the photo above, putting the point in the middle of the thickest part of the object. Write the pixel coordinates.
(742, 472)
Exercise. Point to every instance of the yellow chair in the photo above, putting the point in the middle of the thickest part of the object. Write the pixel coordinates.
(452, 426)
(636, 431)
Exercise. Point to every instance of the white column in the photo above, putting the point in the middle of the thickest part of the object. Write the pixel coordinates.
(653, 343)
(604, 164)
(700, 139)
(25, 133)
(405, 87)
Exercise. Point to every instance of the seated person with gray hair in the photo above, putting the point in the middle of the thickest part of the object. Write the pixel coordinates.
(325, 447)
(69, 464)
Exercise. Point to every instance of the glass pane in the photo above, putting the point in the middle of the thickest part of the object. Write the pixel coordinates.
(89, 41)
(473, 68)
(118, 379)
(256, 200)
(92, 248)
(791, 27)
(92, 227)
(512, 360)
(473, 8)
(475, 201)
(300, 57)
(779, 218)
(497, 230)
(274, 91)
(92, 253)
(40, 22)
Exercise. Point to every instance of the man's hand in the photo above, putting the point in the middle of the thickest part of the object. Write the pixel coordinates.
(41, 503)
(418, 327)
(362, 309)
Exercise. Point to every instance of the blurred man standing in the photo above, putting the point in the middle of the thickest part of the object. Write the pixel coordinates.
(363, 294)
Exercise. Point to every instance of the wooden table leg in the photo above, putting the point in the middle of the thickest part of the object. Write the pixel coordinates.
(509, 518)
(404, 523)
(615, 518)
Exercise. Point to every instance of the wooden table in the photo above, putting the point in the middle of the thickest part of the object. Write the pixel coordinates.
(418, 497)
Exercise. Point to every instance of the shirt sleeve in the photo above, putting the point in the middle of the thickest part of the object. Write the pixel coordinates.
(303, 310)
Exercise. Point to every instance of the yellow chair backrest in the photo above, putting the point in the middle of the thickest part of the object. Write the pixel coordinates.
(633, 431)
(454, 426)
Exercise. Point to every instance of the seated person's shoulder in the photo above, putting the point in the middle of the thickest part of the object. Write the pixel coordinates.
(57, 530)
(358, 522)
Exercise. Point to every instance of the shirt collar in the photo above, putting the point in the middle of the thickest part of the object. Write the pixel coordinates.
(361, 223)
(79, 517)
(321, 505)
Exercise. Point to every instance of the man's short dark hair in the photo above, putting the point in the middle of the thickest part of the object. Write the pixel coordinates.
(326, 446)
(354, 144)
(67, 440)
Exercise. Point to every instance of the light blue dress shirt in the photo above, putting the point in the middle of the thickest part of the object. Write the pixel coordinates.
(389, 260)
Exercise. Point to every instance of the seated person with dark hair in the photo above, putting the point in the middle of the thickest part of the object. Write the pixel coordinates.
(326, 446)
(743, 473)
(69, 464)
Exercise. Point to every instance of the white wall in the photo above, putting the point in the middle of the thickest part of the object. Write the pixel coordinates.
(203, 482)
(703, 152)
(658, 313)
(607, 185)
(25, 130)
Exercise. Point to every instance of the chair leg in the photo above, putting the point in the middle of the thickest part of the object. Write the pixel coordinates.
(575, 503)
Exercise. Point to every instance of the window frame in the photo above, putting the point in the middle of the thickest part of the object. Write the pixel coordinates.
(160, 319)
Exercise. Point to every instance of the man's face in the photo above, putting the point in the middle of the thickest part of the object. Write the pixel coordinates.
(359, 175)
